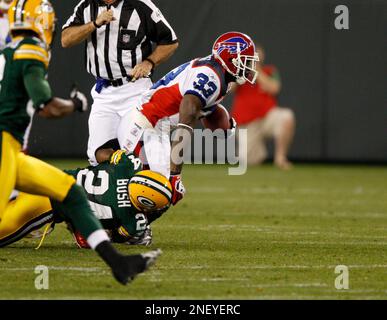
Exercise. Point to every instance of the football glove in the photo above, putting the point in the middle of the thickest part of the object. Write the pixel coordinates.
(178, 189)
(79, 100)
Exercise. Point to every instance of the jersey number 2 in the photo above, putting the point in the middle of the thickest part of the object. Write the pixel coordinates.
(103, 177)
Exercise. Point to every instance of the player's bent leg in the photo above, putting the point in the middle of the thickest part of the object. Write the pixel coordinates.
(131, 129)
(39, 178)
(124, 268)
(35, 176)
(282, 123)
(256, 148)
(157, 148)
(24, 214)
(9, 149)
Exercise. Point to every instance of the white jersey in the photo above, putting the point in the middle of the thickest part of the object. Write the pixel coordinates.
(203, 78)
(4, 30)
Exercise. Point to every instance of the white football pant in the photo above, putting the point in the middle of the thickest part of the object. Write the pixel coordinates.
(108, 109)
(156, 152)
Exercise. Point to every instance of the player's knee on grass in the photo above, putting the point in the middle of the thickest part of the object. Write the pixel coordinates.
(78, 211)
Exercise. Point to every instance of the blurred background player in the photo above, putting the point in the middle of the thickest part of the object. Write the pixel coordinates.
(5, 38)
(23, 68)
(119, 39)
(256, 109)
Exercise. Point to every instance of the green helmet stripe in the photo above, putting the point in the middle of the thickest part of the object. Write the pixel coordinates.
(24, 5)
(19, 10)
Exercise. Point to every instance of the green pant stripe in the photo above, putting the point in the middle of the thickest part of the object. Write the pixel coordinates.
(32, 225)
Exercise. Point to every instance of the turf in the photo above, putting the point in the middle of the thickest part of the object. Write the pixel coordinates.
(265, 235)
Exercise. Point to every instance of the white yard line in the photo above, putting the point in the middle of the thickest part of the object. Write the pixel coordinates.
(273, 267)
(81, 269)
(273, 190)
(157, 269)
(269, 230)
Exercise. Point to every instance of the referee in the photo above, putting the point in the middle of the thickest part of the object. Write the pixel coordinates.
(125, 41)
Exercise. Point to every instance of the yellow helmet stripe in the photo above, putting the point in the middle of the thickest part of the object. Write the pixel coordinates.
(149, 182)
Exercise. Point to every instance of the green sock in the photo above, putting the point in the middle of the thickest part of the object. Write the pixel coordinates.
(77, 209)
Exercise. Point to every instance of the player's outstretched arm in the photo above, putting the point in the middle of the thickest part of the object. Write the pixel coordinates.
(40, 92)
(58, 108)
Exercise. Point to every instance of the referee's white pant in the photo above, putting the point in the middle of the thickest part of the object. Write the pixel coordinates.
(108, 109)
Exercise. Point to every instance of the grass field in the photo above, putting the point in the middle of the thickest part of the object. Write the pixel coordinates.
(265, 235)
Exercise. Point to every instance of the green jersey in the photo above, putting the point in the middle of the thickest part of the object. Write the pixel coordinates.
(23, 68)
(106, 186)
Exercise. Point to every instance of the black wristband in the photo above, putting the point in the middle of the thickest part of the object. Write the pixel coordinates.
(151, 62)
(96, 25)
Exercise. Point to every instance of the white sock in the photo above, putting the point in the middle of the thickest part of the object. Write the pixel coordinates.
(97, 237)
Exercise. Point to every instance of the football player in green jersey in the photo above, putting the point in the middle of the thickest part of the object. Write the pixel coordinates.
(23, 67)
(125, 199)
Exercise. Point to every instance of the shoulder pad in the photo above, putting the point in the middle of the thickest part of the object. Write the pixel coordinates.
(32, 52)
(116, 157)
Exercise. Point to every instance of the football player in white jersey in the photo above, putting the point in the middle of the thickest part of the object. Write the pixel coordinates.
(184, 95)
(4, 25)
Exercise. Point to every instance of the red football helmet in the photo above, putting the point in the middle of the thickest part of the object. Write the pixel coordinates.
(236, 52)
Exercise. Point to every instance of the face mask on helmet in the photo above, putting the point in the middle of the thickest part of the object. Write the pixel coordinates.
(246, 69)
(150, 191)
(236, 52)
(46, 22)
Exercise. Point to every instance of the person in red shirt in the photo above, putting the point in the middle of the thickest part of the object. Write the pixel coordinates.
(256, 108)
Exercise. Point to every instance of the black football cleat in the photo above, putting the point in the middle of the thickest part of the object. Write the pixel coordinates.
(132, 265)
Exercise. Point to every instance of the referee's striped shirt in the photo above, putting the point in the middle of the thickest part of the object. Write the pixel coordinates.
(113, 50)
